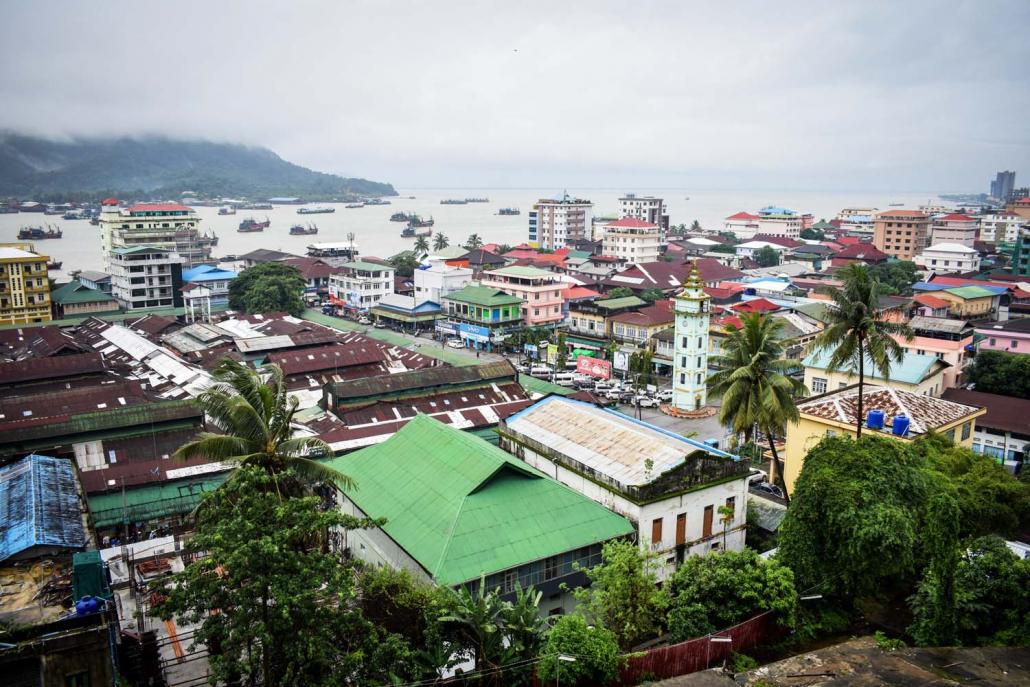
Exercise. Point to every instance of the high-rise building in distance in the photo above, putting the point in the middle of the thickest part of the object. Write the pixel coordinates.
(1003, 184)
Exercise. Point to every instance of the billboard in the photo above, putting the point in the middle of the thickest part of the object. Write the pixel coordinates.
(621, 360)
(474, 332)
(601, 369)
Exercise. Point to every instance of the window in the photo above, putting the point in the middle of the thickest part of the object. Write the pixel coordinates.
(706, 529)
(681, 529)
(731, 503)
(510, 578)
(966, 430)
(77, 680)
(551, 568)
(683, 378)
(818, 385)
(656, 532)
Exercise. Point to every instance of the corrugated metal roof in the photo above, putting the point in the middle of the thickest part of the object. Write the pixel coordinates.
(612, 444)
(925, 412)
(32, 369)
(422, 379)
(462, 507)
(912, 369)
(39, 501)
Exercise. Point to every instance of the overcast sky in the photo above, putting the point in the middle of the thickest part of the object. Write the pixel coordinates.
(712, 95)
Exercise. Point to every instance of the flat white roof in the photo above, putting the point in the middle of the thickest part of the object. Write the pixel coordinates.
(16, 253)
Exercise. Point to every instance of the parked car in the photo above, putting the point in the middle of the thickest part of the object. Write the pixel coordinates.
(757, 476)
(767, 488)
(380, 324)
(613, 394)
(455, 343)
(664, 395)
(645, 401)
(364, 320)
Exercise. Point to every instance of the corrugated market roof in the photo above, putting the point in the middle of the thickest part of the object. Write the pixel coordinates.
(422, 379)
(462, 507)
(39, 502)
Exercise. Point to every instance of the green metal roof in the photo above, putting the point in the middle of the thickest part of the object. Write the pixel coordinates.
(366, 266)
(75, 292)
(624, 302)
(817, 311)
(967, 292)
(483, 295)
(912, 369)
(535, 385)
(523, 271)
(462, 507)
(151, 501)
(450, 252)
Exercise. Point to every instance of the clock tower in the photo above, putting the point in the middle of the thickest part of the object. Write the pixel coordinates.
(690, 348)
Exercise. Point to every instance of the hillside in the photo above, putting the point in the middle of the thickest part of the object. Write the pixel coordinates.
(160, 167)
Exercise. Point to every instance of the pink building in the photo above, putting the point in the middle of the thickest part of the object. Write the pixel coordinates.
(952, 352)
(541, 290)
(1009, 337)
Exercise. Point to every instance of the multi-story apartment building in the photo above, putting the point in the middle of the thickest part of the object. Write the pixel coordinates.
(145, 276)
(1021, 254)
(438, 280)
(847, 213)
(560, 221)
(646, 208)
(1002, 227)
(776, 221)
(360, 285)
(632, 240)
(540, 290)
(901, 233)
(1003, 185)
(942, 258)
(744, 225)
(954, 228)
(24, 286)
(481, 316)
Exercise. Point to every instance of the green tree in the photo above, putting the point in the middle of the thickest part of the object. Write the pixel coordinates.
(594, 647)
(620, 292)
(404, 264)
(421, 245)
(440, 241)
(695, 226)
(857, 516)
(812, 235)
(895, 276)
(713, 592)
(858, 331)
(623, 595)
(767, 256)
(996, 372)
(268, 576)
(992, 598)
(267, 288)
(563, 352)
(753, 379)
(723, 248)
(936, 625)
(473, 242)
(255, 415)
(652, 295)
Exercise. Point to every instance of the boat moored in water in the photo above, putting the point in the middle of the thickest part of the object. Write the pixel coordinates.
(39, 233)
(320, 210)
(301, 230)
(251, 224)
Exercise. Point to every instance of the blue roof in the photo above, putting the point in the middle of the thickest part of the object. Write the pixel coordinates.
(927, 286)
(774, 210)
(204, 273)
(39, 506)
(912, 369)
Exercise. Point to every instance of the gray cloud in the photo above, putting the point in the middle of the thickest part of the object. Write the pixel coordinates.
(913, 95)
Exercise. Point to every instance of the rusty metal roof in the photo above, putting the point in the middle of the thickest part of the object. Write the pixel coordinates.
(422, 379)
(32, 369)
(925, 412)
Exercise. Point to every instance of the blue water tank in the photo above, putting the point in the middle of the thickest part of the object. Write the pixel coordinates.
(901, 424)
(874, 420)
(714, 443)
(87, 605)
(750, 291)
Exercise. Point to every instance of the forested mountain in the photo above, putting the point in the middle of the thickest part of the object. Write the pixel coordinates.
(42, 169)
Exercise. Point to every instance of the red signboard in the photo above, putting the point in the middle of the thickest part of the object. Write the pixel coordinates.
(602, 369)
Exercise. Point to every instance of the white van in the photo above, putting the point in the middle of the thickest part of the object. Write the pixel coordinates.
(540, 371)
(565, 379)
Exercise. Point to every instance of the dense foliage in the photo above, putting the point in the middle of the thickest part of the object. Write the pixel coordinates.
(767, 256)
(895, 277)
(404, 264)
(709, 593)
(996, 372)
(157, 167)
(594, 648)
(267, 288)
(259, 585)
(652, 295)
(620, 292)
(811, 234)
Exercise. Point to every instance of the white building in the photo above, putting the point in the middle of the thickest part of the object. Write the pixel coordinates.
(776, 221)
(744, 225)
(361, 285)
(749, 248)
(560, 221)
(645, 208)
(941, 258)
(438, 280)
(632, 240)
(690, 347)
(848, 213)
(953, 228)
(669, 486)
(1000, 228)
(858, 224)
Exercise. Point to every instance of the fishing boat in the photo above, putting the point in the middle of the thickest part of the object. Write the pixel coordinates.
(477, 200)
(251, 224)
(39, 233)
(301, 230)
(417, 222)
(399, 217)
(453, 201)
(409, 232)
(509, 211)
(54, 265)
(321, 210)
(227, 210)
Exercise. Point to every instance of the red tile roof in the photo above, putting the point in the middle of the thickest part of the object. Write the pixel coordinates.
(160, 207)
(661, 312)
(730, 321)
(862, 251)
(956, 217)
(931, 301)
(743, 215)
(312, 268)
(632, 222)
(848, 240)
(756, 305)
(670, 275)
(578, 292)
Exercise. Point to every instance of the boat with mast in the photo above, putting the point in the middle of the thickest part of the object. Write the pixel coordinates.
(251, 224)
(39, 233)
(301, 230)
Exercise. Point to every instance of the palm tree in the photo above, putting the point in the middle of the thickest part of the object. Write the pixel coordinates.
(473, 242)
(255, 417)
(858, 331)
(695, 226)
(725, 517)
(754, 382)
(440, 242)
(421, 246)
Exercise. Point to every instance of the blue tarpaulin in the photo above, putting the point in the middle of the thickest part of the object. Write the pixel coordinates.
(39, 506)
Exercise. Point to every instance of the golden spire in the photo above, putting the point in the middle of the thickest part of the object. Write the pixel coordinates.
(694, 278)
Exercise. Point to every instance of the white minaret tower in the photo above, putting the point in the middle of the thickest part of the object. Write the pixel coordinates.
(690, 359)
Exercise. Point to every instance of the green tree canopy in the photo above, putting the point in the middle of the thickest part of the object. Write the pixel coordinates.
(812, 235)
(895, 276)
(713, 592)
(421, 245)
(404, 264)
(620, 292)
(767, 256)
(272, 605)
(473, 242)
(723, 248)
(267, 288)
(652, 295)
(996, 372)
(623, 595)
(594, 648)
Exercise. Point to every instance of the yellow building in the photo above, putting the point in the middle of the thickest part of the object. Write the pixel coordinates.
(835, 414)
(972, 302)
(24, 285)
(916, 373)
